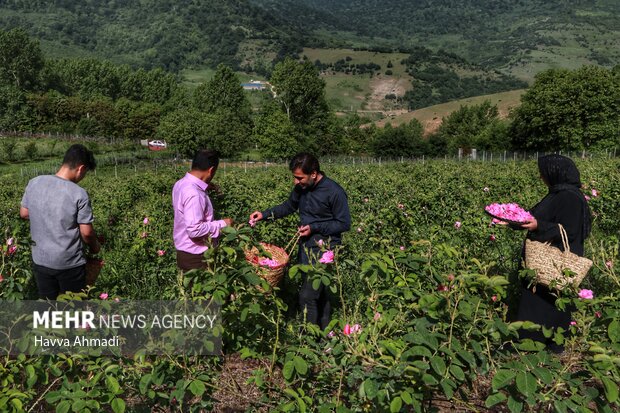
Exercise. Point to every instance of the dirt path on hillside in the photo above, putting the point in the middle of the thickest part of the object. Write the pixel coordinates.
(382, 86)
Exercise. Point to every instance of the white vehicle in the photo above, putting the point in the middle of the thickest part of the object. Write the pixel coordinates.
(157, 143)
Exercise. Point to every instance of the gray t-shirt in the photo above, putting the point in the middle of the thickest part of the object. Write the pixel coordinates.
(56, 207)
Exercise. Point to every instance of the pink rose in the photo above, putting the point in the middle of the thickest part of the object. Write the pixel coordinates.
(401, 206)
(494, 298)
(103, 296)
(144, 234)
(586, 294)
(252, 223)
(366, 199)
(10, 241)
(457, 224)
(573, 323)
(161, 253)
(145, 221)
(402, 247)
(485, 189)
(594, 193)
(331, 334)
(587, 197)
(609, 264)
(598, 314)
(492, 237)
(320, 243)
(377, 316)
(359, 229)
(356, 328)
(347, 330)
(327, 257)
(267, 262)
(12, 250)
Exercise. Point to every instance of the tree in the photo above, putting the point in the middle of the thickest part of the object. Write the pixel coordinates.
(21, 59)
(471, 126)
(404, 140)
(300, 91)
(275, 135)
(569, 110)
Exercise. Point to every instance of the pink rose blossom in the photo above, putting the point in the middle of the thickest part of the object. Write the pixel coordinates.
(486, 189)
(494, 298)
(144, 234)
(366, 199)
(594, 193)
(347, 330)
(492, 237)
(331, 334)
(609, 264)
(401, 206)
(377, 316)
(573, 323)
(252, 223)
(267, 262)
(10, 241)
(510, 212)
(1, 278)
(450, 277)
(12, 250)
(320, 243)
(587, 197)
(161, 253)
(402, 247)
(442, 288)
(457, 224)
(356, 328)
(103, 296)
(117, 300)
(359, 229)
(586, 294)
(598, 314)
(145, 221)
(327, 257)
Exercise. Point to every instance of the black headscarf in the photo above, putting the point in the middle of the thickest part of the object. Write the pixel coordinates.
(561, 174)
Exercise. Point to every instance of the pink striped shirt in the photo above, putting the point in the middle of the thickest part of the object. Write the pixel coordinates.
(193, 215)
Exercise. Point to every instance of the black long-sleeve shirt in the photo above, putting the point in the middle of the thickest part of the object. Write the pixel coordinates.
(324, 207)
(563, 207)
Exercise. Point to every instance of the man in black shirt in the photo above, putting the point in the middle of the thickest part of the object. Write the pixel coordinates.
(324, 216)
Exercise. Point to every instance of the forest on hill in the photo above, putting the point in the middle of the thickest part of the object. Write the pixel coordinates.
(251, 34)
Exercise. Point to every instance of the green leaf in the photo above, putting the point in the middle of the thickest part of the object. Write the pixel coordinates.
(438, 365)
(545, 376)
(611, 389)
(396, 405)
(560, 406)
(406, 396)
(370, 388)
(63, 406)
(457, 372)
(613, 331)
(430, 380)
(144, 383)
(113, 385)
(502, 379)
(526, 383)
(468, 357)
(420, 351)
(448, 387)
(197, 387)
(300, 365)
(288, 369)
(78, 405)
(494, 399)
(118, 405)
(514, 405)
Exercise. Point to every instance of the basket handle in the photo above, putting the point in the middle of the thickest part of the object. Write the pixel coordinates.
(564, 238)
(292, 244)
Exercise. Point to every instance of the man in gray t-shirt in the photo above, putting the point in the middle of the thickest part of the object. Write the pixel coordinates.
(60, 222)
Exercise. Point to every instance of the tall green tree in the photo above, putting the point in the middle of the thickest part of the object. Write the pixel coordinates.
(300, 91)
(569, 110)
(275, 135)
(404, 140)
(21, 59)
(471, 126)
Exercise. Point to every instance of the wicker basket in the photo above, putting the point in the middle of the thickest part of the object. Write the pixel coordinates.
(93, 268)
(549, 263)
(273, 275)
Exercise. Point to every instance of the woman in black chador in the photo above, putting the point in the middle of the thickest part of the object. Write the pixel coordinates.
(564, 204)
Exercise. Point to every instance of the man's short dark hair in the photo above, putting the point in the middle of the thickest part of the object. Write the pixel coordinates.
(78, 155)
(205, 159)
(305, 161)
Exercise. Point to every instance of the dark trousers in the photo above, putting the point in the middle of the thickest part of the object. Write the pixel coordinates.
(51, 282)
(315, 303)
(187, 261)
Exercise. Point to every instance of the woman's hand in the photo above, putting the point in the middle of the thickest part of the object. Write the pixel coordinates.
(530, 225)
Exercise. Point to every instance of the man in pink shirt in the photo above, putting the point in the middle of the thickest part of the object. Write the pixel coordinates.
(194, 223)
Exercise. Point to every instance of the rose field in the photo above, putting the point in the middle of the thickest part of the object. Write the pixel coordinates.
(423, 289)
